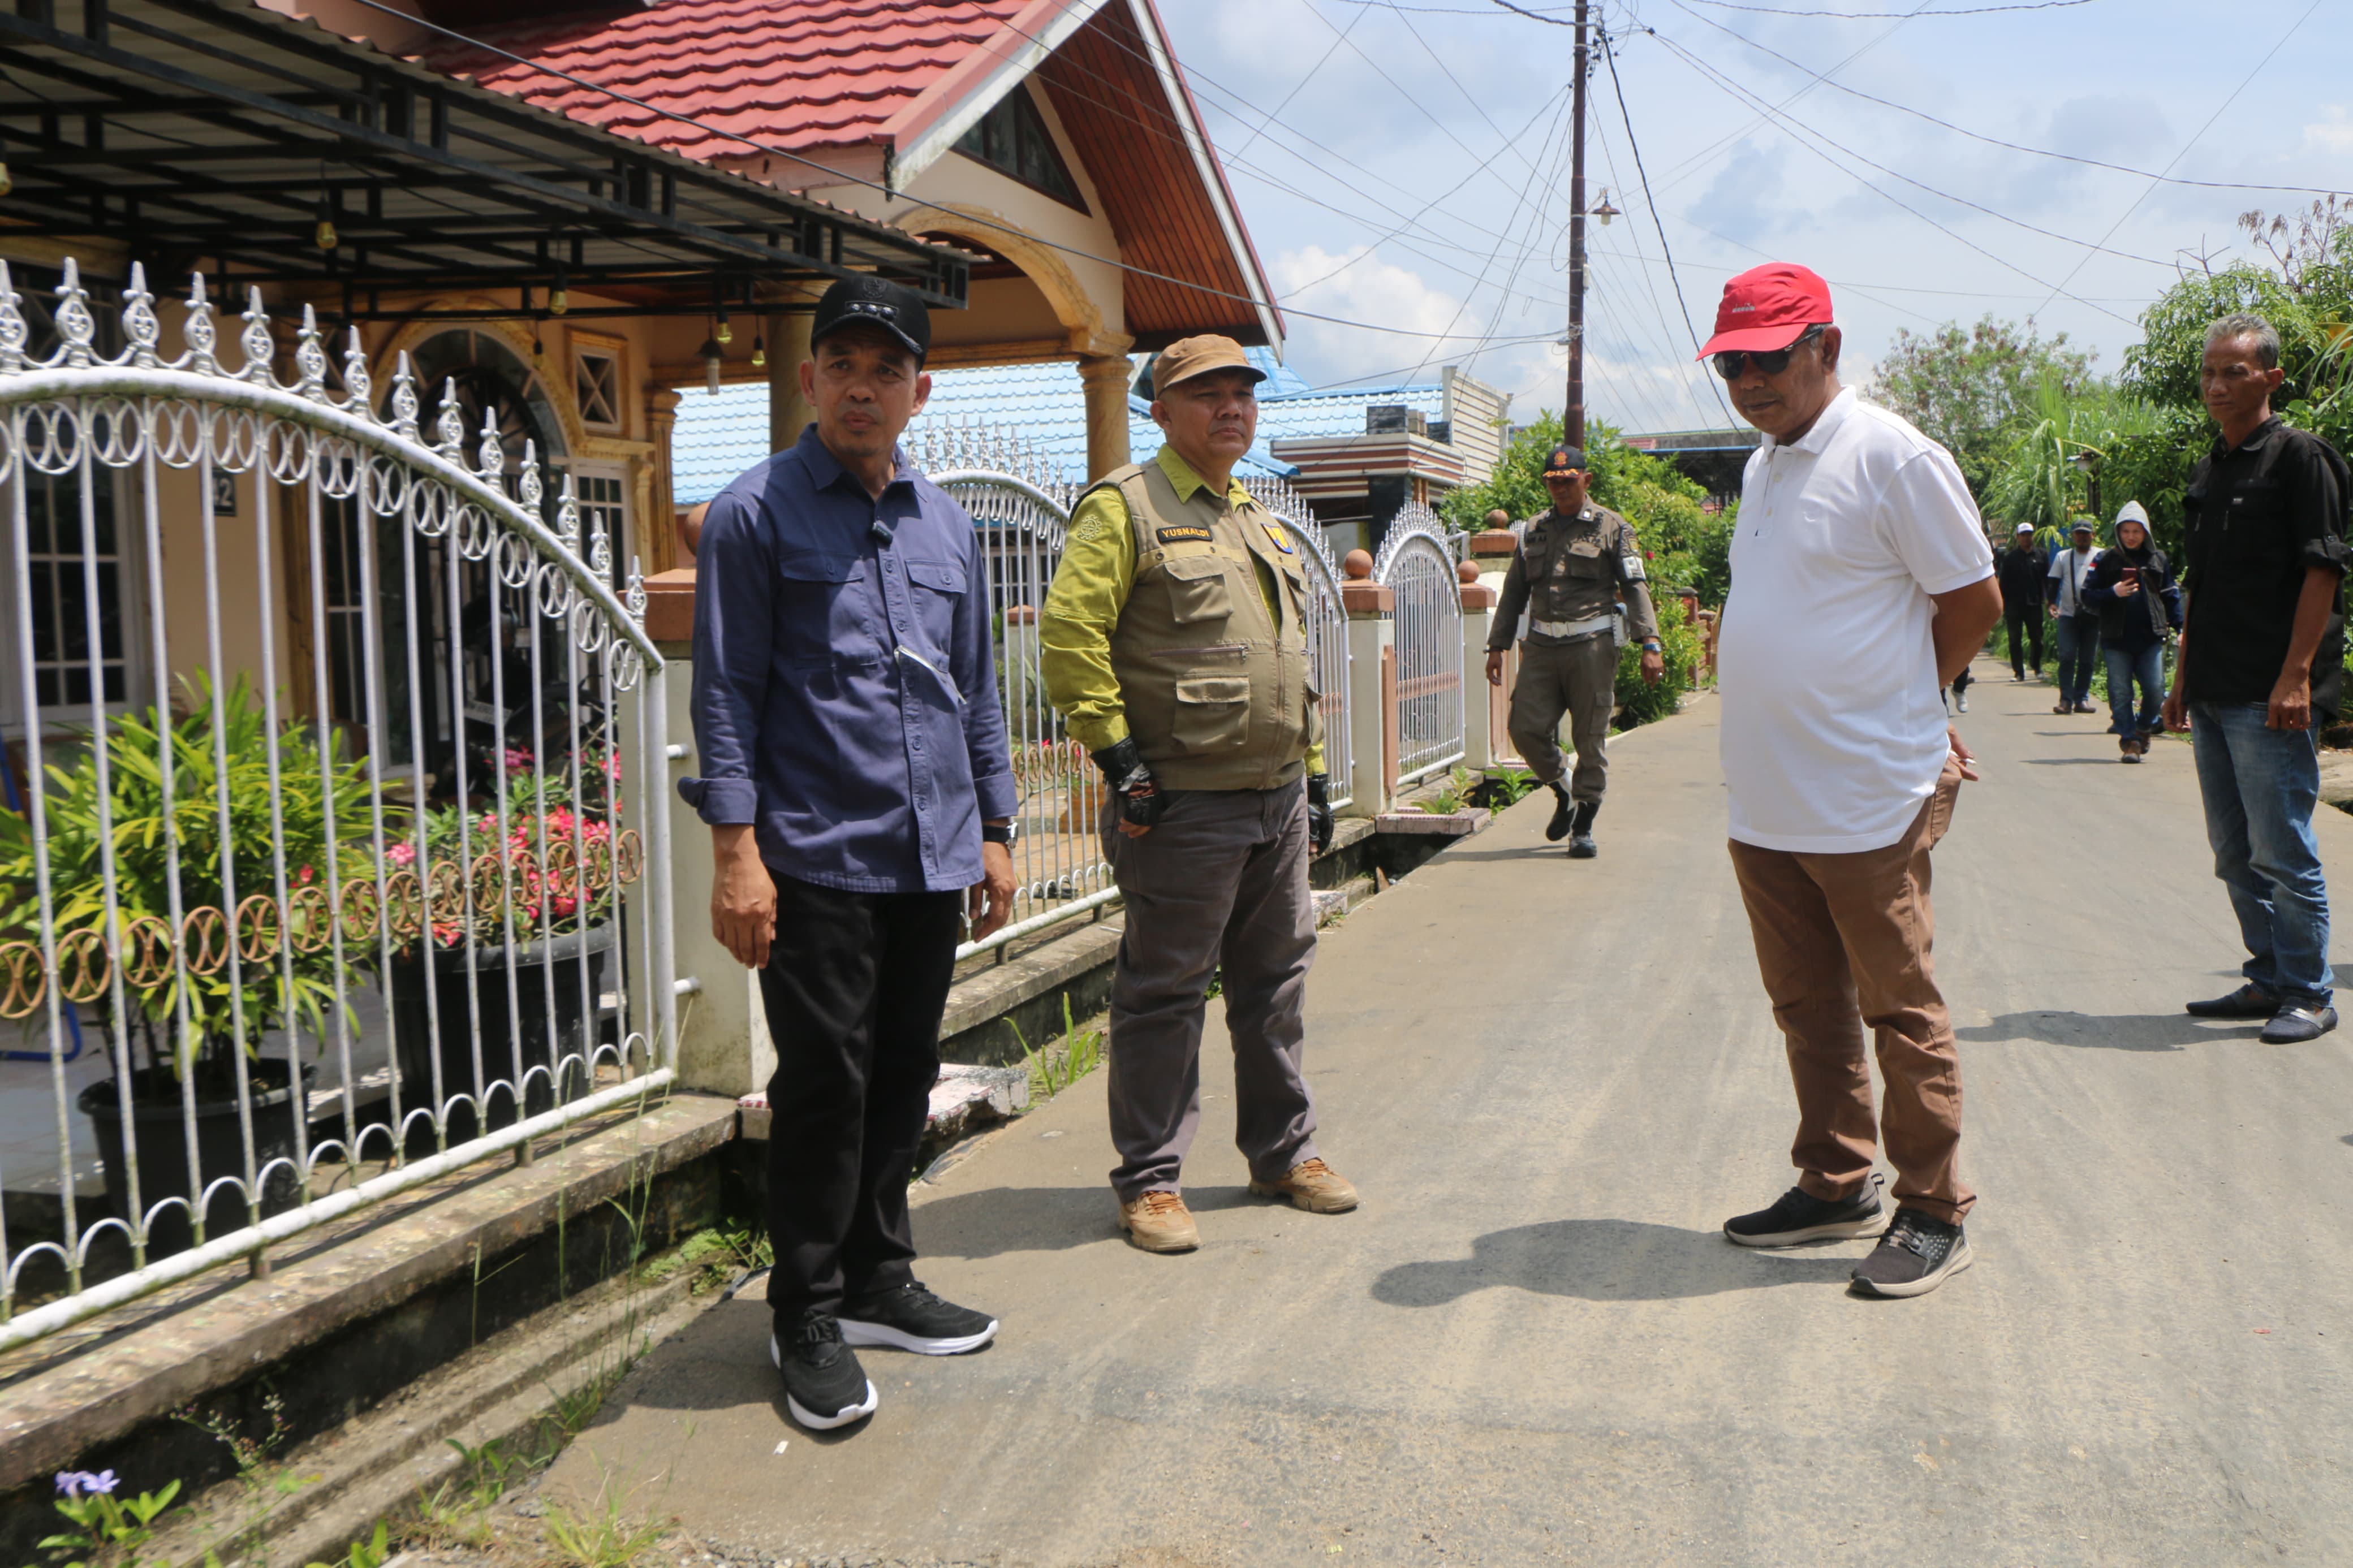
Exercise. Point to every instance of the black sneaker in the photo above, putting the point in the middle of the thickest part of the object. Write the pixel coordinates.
(1580, 843)
(2248, 1001)
(1799, 1217)
(1563, 809)
(911, 1318)
(1912, 1258)
(2293, 1026)
(824, 1385)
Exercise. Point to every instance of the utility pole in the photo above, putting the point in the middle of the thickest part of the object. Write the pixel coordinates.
(1573, 414)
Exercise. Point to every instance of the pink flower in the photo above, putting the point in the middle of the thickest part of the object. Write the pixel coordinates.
(402, 854)
(306, 875)
(518, 759)
(565, 905)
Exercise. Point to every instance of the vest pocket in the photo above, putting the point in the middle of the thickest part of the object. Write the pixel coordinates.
(1196, 589)
(1212, 712)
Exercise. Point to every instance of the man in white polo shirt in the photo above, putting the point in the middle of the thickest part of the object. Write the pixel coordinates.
(1861, 584)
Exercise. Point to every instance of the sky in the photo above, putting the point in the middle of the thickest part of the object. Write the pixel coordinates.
(1403, 165)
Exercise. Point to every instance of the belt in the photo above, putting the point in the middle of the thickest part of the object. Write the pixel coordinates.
(1567, 629)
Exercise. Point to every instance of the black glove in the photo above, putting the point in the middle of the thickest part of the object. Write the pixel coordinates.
(1319, 812)
(1141, 799)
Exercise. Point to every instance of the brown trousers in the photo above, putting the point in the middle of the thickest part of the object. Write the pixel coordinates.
(1579, 680)
(1844, 941)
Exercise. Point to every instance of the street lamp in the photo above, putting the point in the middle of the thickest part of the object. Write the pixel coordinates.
(1605, 212)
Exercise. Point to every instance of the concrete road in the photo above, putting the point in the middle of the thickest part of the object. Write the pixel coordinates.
(1553, 1080)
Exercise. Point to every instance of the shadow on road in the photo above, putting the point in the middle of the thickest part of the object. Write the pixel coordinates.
(2115, 1032)
(1604, 1260)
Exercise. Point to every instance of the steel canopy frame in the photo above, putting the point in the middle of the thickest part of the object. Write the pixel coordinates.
(195, 128)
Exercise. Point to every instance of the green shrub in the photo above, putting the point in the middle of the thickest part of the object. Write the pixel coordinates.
(1640, 703)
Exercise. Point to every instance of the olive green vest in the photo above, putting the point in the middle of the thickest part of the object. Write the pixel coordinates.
(1218, 696)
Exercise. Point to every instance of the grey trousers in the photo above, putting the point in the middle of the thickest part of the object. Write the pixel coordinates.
(1580, 679)
(1221, 880)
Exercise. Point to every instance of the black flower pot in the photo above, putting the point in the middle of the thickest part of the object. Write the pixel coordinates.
(160, 1123)
(557, 1042)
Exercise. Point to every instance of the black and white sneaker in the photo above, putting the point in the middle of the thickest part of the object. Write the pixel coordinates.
(2292, 1024)
(911, 1318)
(1799, 1217)
(824, 1385)
(1912, 1258)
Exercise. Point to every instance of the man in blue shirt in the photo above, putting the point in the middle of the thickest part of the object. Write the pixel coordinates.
(860, 794)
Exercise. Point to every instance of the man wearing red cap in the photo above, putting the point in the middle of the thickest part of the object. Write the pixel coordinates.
(1861, 584)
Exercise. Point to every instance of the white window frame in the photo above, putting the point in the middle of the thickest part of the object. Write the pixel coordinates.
(131, 588)
(613, 352)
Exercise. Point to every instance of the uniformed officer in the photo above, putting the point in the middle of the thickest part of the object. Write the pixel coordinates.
(1574, 566)
(1174, 642)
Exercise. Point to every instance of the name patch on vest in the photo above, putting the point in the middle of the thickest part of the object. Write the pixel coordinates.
(1185, 534)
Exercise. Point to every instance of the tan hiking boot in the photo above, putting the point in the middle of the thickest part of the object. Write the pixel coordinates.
(1159, 1222)
(1313, 1187)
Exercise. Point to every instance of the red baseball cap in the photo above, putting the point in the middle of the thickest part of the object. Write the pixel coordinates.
(1767, 307)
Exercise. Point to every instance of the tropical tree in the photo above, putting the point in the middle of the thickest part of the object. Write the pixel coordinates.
(1970, 388)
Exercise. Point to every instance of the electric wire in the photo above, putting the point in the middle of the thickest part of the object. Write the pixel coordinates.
(1996, 141)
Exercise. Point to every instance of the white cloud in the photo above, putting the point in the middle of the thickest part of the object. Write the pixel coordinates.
(1358, 286)
(2332, 133)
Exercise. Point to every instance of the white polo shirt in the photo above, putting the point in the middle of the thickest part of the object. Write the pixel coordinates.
(1833, 730)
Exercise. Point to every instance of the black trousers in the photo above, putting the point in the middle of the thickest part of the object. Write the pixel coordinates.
(854, 989)
(2025, 631)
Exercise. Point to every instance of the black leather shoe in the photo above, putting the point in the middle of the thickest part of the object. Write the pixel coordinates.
(2248, 1001)
(1563, 810)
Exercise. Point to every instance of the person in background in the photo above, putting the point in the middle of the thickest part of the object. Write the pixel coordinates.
(1175, 644)
(1577, 565)
(2078, 623)
(2022, 569)
(2262, 661)
(859, 796)
(2132, 586)
(1861, 582)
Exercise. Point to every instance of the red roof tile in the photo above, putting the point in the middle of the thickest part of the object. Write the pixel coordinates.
(792, 73)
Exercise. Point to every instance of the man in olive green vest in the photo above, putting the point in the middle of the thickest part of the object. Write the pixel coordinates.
(1574, 565)
(1174, 642)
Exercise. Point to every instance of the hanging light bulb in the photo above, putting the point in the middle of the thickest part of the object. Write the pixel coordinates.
(725, 334)
(1605, 212)
(759, 351)
(559, 299)
(324, 235)
(714, 359)
(7, 184)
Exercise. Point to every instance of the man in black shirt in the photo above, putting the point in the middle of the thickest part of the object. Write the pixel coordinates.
(2267, 557)
(2020, 572)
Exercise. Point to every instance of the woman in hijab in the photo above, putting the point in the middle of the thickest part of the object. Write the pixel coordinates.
(2132, 586)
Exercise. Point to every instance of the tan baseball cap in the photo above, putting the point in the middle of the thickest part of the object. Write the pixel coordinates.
(1189, 357)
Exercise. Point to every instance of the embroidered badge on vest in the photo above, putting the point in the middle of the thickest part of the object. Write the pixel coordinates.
(1276, 537)
(1184, 534)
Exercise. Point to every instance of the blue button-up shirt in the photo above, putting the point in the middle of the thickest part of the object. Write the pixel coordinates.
(845, 684)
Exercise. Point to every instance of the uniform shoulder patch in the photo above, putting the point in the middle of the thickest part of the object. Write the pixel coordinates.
(1277, 537)
(1183, 533)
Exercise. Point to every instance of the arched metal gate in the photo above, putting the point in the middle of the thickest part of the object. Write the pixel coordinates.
(275, 944)
(1416, 565)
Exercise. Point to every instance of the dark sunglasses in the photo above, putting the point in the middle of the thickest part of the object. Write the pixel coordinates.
(1733, 365)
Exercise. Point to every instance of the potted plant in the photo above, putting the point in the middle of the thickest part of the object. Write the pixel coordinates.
(522, 894)
(238, 963)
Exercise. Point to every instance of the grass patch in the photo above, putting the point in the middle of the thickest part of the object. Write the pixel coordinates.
(1057, 1065)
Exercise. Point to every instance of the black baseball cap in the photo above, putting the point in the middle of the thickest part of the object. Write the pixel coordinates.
(1563, 459)
(875, 302)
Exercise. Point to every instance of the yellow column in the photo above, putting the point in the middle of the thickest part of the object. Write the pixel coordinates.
(1105, 378)
(789, 345)
(658, 526)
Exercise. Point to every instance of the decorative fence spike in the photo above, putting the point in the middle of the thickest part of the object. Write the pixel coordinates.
(76, 326)
(449, 426)
(567, 517)
(311, 360)
(140, 327)
(490, 457)
(14, 334)
(533, 491)
(404, 399)
(199, 333)
(260, 347)
(634, 601)
(359, 386)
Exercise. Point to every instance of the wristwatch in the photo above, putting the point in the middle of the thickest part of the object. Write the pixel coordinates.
(999, 832)
(1653, 645)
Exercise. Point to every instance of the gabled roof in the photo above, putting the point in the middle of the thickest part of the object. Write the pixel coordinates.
(842, 81)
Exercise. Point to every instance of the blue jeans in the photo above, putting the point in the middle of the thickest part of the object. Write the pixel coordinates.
(2260, 786)
(2147, 666)
(2079, 645)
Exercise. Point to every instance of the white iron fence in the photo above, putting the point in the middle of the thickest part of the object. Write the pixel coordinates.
(1023, 512)
(324, 855)
(1417, 567)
